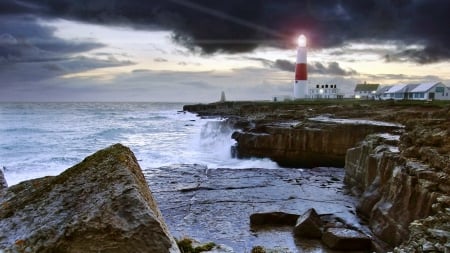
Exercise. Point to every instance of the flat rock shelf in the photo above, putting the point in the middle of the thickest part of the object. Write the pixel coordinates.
(215, 204)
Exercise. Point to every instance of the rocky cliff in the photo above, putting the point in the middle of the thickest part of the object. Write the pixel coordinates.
(404, 185)
(312, 143)
(402, 178)
(102, 204)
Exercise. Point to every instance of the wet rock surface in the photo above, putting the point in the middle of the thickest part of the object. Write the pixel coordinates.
(308, 225)
(273, 218)
(403, 179)
(216, 204)
(103, 204)
(346, 239)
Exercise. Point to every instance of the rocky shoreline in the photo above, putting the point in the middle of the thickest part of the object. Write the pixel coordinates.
(220, 204)
(400, 173)
(396, 159)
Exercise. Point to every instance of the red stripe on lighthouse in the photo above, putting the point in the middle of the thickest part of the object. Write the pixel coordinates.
(300, 71)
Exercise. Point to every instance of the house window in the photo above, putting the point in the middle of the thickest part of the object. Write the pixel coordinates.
(421, 95)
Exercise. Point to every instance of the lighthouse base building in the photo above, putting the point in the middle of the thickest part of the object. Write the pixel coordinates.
(300, 89)
(316, 91)
(324, 91)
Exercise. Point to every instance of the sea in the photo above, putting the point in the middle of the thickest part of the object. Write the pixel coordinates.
(44, 139)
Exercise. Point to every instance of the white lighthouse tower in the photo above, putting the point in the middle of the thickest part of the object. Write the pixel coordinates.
(300, 83)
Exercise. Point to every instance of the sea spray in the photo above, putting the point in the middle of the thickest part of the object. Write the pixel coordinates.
(215, 139)
(41, 139)
(216, 146)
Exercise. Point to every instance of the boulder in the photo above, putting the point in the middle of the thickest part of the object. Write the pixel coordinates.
(345, 239)
(273, 218)
(332, 221)
(103, 204)
(309, 225)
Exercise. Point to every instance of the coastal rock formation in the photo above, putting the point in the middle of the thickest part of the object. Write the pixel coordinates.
(309, 225)
(403, 179)
(273, 218)
(214, 204)
(3, 183)
(431, 234)
(345, 239)
(103, 204)
(396, 190)
(333, 231)
(313, 143)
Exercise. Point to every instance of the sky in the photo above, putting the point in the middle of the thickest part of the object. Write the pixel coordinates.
(192, 50)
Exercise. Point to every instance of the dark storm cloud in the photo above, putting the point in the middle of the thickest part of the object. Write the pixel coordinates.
(30, 52)
(237, 26)
(428, 54)
(30, 71)
(22, 39)
(333, 68)
(317, 68)
(284, 65)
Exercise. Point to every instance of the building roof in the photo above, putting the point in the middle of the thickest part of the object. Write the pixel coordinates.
(366, 87)
(396, 88)
(424, 87)
(383, 89)
(410, 87)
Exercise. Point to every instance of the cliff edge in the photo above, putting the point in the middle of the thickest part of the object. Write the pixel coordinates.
(403, 183)
(401, 175)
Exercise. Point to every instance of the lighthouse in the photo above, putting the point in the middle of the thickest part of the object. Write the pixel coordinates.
(300, 85)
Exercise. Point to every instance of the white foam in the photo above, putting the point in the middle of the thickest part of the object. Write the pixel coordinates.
(53, 137)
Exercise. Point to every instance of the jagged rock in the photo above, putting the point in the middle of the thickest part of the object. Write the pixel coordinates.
(216, 204)
(431, 234)
(3, 183)
(306, 145)
(308, 225)
(103, 204)
(395, 190)
(345, 239)
(273, 218)
(332, 221)
(399, 180)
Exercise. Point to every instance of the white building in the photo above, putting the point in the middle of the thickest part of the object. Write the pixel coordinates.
(425, 91)
(422, 91)
(366, 90)
(324, 91)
